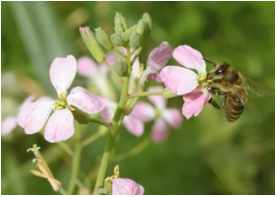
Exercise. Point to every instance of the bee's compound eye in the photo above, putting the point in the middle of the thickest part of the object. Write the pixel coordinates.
(221, 70)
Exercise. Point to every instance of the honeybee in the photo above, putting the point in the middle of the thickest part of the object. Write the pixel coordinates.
(234, 87)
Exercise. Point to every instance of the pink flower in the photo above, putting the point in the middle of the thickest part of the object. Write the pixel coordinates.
(96, 73)
(163, 116)
(184, 81)
(9, 123)
(124, 186)
(157, 59)
(60, 124)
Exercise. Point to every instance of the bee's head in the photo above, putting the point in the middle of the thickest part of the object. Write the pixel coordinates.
(217, 73)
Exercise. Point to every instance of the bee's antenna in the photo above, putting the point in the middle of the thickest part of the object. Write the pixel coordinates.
(209, 61)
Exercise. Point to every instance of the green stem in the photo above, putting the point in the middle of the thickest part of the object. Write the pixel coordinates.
(112, 71)
(118, 116)
(99, 121)
(141, 94)
(102, 131)
(76, 164)
(62, 191)
(66, 148)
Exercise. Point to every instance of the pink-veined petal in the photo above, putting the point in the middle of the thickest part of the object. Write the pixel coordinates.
(84, 100)
(173, 117)
(8, 124)
(179, 80)
(87, 67)
(159, 56)
(124, 186)
(133, 125)
(143, 111)
(194, 103)
(60, 126)
(190, 58)
(155, 77)
(62, 73)
(159, 131)
(157, 100)
(33, 116)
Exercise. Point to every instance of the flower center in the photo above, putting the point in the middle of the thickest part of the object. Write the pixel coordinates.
(158, 113)
(202, 77)
(62, 103)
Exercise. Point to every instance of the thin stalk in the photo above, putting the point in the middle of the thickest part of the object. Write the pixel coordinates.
(101, 132)
(99, 121)
(62, 191)
(112, 71)
(142, 94)
(66, 148)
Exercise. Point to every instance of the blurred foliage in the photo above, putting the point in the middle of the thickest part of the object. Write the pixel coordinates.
(208, 155)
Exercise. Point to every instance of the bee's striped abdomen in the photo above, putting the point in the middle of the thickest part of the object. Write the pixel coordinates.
(234, 107)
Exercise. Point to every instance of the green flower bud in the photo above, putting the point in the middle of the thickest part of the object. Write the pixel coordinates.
(92, 44)
(147, 20)
(121, 67)
(133, 28)
(140, 27)
(103, 39)
(125, 36)
(117, 40)
(135, 41)
(119, 23)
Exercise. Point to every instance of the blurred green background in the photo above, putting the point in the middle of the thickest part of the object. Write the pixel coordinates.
(208, 155)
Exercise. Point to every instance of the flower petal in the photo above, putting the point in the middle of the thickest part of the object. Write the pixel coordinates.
(109, 110)
(86, 67)
(8, 124)
(62, 73)
(84, 100)
(173, 117)
(157, 100)
(143, 111)
(159, 56)
(190, 58)
(179, 80)
(155, 77)
(33, 116)
(60, 126)
(27, 101)
(124, 186)
(159, 131)
(133, 125)
(194, 103)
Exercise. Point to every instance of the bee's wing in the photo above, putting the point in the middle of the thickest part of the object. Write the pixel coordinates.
(257, 88)
(249, 106)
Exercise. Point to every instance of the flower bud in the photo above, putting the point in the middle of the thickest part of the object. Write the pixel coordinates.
(135, 41)
(125, 36)
(140, 27)
(117, 40)
(119, 23)
(121, 67)
(92, 44)
(147, 20)
(103, 38)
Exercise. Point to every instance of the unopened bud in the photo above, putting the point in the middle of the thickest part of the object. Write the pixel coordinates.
(140, 27)
(103, 38)
(119, 23)
(147, 20)
(135, 41)
(117, 40)
(92, 44)
(125, 36)
(121, 67)
(80, 116)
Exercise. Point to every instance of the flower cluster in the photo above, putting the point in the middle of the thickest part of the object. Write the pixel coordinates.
(131, 77)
